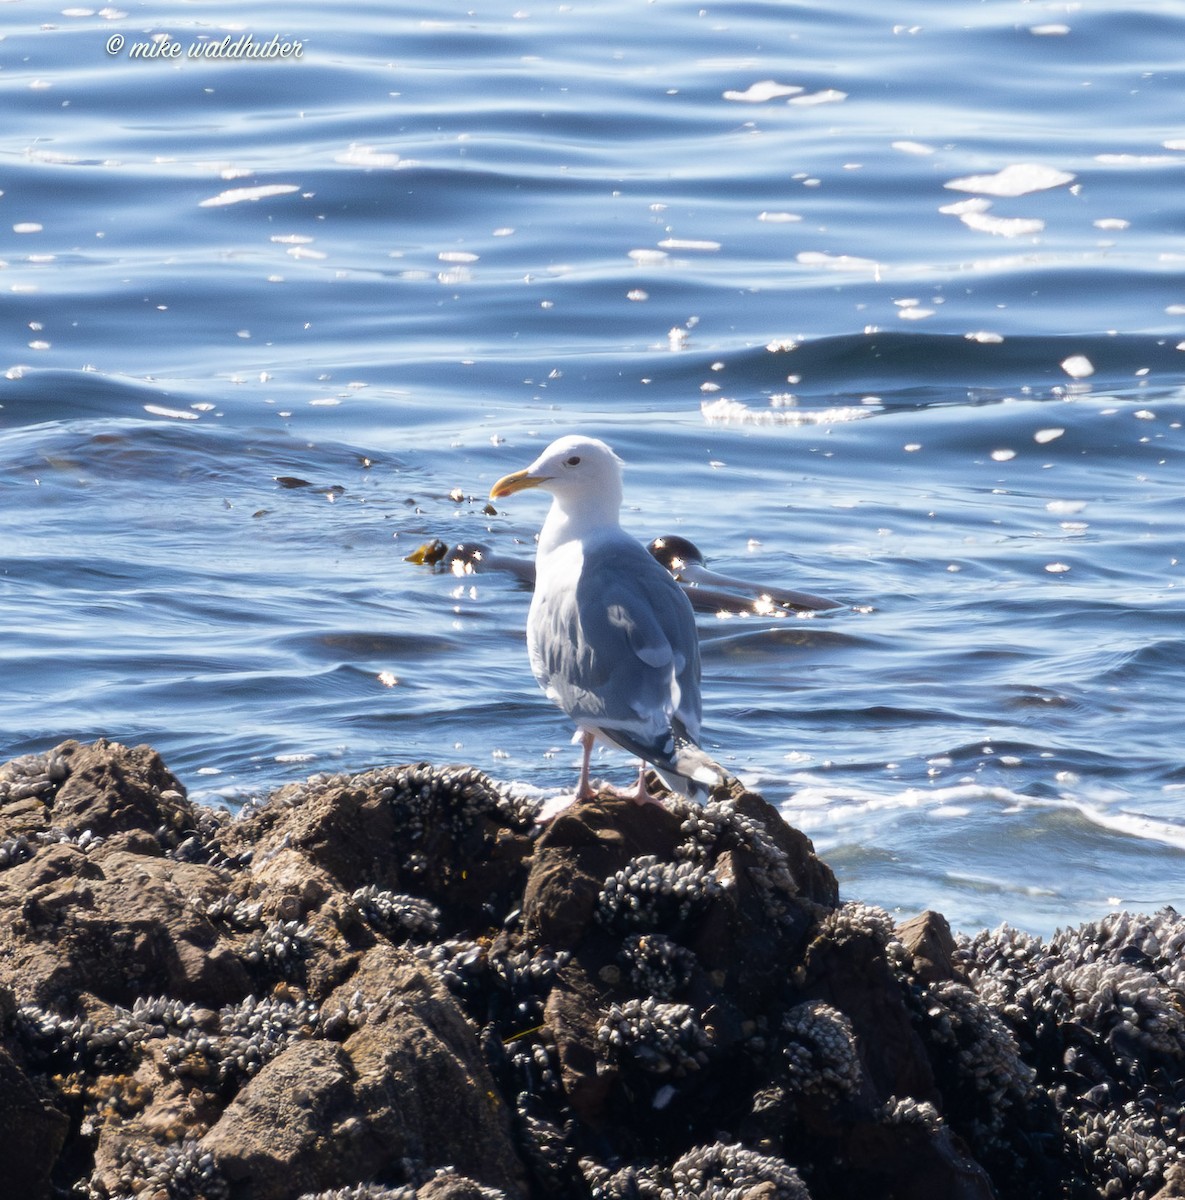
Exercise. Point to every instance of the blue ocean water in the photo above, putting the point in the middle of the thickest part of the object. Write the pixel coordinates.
(886, 304)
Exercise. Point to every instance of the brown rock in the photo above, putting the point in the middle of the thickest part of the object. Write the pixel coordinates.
(31, 1134)
(450, 1186)
(349, 832)
(422, 1084)
(813, 878)
(111, 788)
(911, 1163)
(343, 832)
(117, 924)
(573, 1015)
(718, 1008)
(581, 848)
(409, 1086)
(852, 974)
(287, 1131)
(928, 939)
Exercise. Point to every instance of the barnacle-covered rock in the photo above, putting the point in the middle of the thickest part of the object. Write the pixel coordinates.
(1097, 1012)
(450, 836)
(720, 1171)
(820, 1052)
(855, 964)
(650, 894)
(989, 1093)
(980, 1051)
(399, 916)
(395, 985)
(108, 788)
(656, 965)
(657, 1037)
(283, 946)
(116, 922)
(364, 1191)
(182, 1171)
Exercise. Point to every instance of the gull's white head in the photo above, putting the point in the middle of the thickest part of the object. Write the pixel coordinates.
(577, 471)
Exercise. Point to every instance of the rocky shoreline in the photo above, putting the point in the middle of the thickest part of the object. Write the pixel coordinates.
(399, 986)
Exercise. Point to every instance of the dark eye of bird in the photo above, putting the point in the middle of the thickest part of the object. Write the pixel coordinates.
(574, 461)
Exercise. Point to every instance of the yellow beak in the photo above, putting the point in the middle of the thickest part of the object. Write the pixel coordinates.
(516, 482)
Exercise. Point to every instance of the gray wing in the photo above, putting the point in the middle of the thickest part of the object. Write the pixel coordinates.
(619, 651)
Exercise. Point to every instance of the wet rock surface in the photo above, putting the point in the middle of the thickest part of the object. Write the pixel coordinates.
(399, 986)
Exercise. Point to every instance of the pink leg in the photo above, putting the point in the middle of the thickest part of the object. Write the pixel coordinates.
(584, 790)
(642, 795)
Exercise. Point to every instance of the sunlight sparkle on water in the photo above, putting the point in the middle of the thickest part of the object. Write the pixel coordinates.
(1018, 179)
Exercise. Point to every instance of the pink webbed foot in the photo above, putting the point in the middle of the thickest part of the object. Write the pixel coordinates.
(641, 794)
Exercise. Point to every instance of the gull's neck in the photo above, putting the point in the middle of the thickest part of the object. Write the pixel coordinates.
(572, 519)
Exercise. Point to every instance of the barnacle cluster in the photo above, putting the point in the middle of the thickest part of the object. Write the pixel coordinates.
(181, 1171)
(476, 1190)
(282, 946)
(425, 798)
(247, 1035)
(820, 1052)
(655, 965)
(503, 990)
(33, 776)
(407, 1191)
(1121, 977)
(462, 965)
(345, 1014)
(544, 1147)
(721, 1171)
(656, 1036)
(398, 916)
(203, 843)
(14, 851)
(364, 1191)
(980, 1050)
(719, 826)
(1099, 1010)
(1129, 1007)
(232, 912)
(497, 982)
(75, 1043)
(855, 919)
(19, 849)
(650, 894)
(69, 1042)
(905, 1110)
(1126, 1150)
(228, 1047)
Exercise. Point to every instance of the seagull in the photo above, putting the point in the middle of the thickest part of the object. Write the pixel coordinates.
(611, 636)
